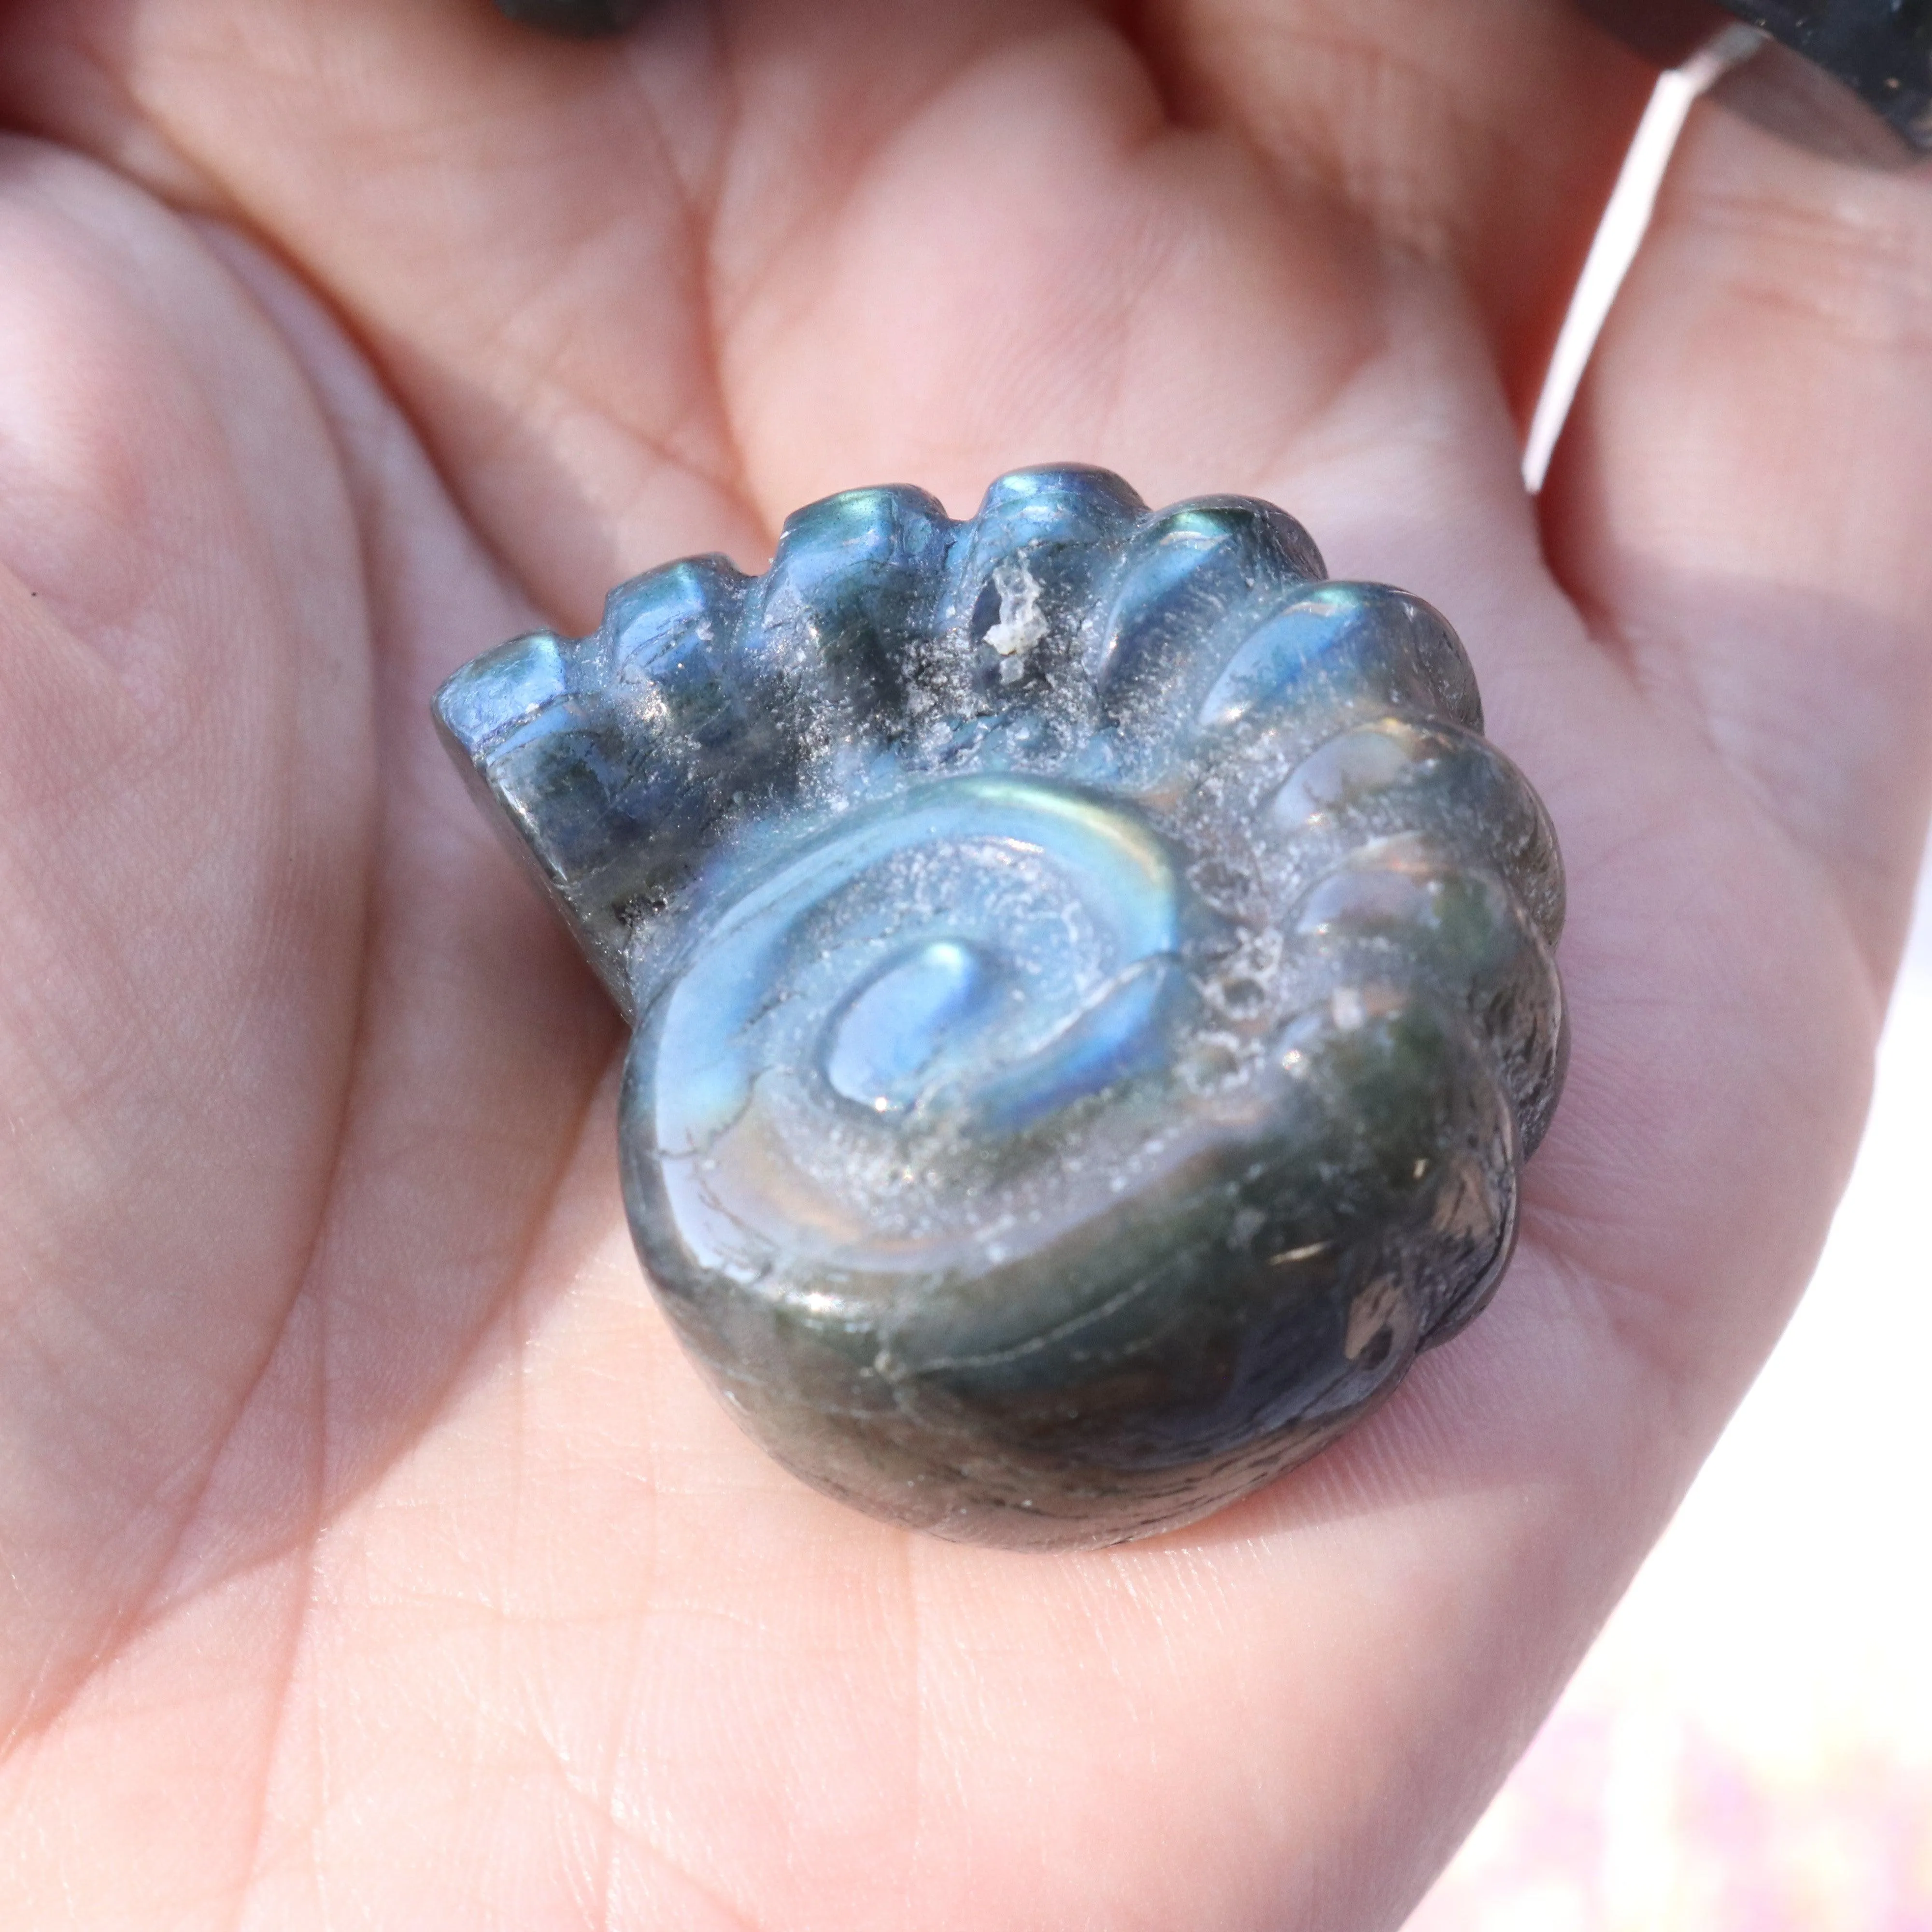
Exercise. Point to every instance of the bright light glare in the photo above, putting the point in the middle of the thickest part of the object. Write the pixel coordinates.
(1620, 234)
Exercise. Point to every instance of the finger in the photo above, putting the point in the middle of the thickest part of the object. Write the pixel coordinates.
(519, 229)
(1481, 139)
(1740, 500)
(288, 1053)
(182, 832)
(481, 1035)
(611, 281)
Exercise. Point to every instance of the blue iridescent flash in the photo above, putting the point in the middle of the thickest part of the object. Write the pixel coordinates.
(1092, 983)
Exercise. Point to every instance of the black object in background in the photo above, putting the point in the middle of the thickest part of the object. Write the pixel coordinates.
(1851, 78)
(583, 19)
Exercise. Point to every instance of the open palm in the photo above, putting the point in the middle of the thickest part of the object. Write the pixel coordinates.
(369, 1555)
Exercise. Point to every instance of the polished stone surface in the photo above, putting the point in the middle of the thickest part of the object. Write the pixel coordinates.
(1093, 986)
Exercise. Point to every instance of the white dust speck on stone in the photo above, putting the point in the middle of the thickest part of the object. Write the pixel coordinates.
(1021, 626)
(1247, 1224)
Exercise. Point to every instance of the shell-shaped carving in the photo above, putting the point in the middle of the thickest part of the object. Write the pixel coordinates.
(1092, 982)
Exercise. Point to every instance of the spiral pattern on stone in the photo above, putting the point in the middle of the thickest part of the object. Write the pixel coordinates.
(1093, 985)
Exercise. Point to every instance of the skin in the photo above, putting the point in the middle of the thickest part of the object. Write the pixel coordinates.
(369, 1555)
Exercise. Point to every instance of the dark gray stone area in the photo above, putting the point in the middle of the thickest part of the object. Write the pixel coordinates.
(1093, 986)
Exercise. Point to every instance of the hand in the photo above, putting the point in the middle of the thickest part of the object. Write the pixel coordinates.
(371, 1555)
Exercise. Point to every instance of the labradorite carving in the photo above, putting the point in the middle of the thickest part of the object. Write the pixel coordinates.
(1092, 984)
